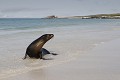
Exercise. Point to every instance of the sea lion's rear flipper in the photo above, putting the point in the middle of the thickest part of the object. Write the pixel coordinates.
(54, 54)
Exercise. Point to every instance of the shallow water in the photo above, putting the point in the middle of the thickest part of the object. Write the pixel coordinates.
(73, 37)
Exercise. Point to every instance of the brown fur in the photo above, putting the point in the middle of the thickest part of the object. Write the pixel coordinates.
(34, 49)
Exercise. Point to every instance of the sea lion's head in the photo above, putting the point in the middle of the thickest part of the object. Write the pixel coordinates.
(47, 37)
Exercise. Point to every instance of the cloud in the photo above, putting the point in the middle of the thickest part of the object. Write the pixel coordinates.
(14, 10)
(24, 12)
(3, 15)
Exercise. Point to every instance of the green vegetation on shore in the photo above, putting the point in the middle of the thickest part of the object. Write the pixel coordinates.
(105, 16)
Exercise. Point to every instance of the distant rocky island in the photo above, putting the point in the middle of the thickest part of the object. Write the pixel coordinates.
(51, 17)
(97, 16)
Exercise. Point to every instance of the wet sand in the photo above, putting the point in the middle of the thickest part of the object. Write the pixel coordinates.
(101, 63)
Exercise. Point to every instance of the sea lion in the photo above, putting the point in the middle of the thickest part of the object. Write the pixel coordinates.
(35, 50)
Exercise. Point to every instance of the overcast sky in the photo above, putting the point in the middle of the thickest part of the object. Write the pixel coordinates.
(43, 8)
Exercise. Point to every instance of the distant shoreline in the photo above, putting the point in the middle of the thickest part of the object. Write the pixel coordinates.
(97, 16)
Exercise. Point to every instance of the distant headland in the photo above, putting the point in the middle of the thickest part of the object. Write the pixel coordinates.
(97, 16)
(51, 17)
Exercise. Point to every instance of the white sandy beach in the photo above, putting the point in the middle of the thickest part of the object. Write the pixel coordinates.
(101, 63)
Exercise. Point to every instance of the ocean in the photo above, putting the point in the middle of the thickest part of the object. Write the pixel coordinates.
(73, 37)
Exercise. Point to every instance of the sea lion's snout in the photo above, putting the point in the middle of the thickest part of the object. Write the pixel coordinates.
(52, 35)
(49, 36)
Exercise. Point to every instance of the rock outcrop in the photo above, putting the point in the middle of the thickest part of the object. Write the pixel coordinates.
(51, 17)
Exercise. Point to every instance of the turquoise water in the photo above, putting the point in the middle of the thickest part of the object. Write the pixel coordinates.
(73, 37)
(15, 25)
(36, 23)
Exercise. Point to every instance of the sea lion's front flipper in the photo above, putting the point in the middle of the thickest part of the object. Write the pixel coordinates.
(41, 56)
(44, 51)
(25, 56)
